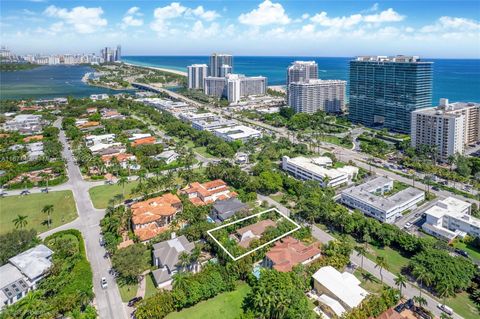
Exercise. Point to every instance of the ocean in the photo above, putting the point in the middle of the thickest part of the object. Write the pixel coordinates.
(48, 82)
(457, 80)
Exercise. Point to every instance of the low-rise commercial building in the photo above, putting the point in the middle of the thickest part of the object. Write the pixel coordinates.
(449, 128)
(319, 169)
(22, 273)
(340, 292)
(193, 116)
(450, 218)
(237, 133)
(206, 125)
(373, 199)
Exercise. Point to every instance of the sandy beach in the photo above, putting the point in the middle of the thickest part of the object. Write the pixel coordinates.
(279, 88)
(159, 69)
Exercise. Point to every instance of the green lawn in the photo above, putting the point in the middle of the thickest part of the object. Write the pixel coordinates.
(463, 305)
(277, 197)
(150, 289)
(472, 251)
(334, 140)
(202, 150)
(64, 210)
(224, 306)
(127, 292)
(368, 282)
(100, 195)
(395, 261)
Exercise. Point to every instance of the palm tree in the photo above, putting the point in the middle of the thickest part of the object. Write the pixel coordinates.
(123, 181)
(361, 251)
(381, 263)
(423, 276)
(445, 289)
(420, 301)
(21, 221)
(48, 209)
(183, 259)
(45, 177)
(401, 282)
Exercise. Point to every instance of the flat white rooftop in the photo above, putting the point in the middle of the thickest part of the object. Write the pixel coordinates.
(238, 132)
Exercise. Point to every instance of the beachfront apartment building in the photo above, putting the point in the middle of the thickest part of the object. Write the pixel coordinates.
(302, 71)
(219, 64)
(196, 74)
(319, 169)
(22, 273)
(237, 133)
(374, 199)
(384, 91)
(235, 87)
(317, 95)
(449, 218)
(449, 128)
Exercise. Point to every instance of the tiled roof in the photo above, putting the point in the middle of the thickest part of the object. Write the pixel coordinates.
(121, 157)
(155, 208)
(144, 141)
(206, 190)
(390, 314)
(149, 232)
(257, 228)
(33, 138)
(290, 252)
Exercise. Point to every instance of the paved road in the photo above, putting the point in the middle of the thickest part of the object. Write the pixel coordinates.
(107, 301)
(388, 278)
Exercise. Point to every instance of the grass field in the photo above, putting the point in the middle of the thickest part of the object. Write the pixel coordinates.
(224, 306)
(127, 292)
(31, 205)
(100, 195)
(369, 283)
(150, 289)
(395, 261)
(202, 150)
(463, 305)
(474, 253)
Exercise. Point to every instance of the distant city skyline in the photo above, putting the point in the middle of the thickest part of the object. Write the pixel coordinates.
(436, 29)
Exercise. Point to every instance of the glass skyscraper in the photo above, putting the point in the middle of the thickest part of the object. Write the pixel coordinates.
(385, 90)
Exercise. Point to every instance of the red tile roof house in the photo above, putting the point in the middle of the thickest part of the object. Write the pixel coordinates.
(290, 252)
(207, 193)
(152, 217)
(246, 234)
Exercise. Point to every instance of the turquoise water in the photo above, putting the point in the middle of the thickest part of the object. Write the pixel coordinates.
(48, 82)
(457, 80)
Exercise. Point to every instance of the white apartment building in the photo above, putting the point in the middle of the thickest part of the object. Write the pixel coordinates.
(371, 199)
(91, 140)
(25, 123)
(450, 218)
(206, 125)
(319, 169)
(302, 71)
(196, 75)
(237, 133)
(219, 61)
(192, 116)
(234, 87)
(450, 127)
(225, 69)
(317, 95)
(215, 86)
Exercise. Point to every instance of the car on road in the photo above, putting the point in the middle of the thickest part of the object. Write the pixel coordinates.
(101, 241)
(128, 202)
(25, 192)
(2, 193)
(435, 188)
(133, 301)
(462, 252)
(104, 283)
(445, 309)
(44, 190)
(408, 225)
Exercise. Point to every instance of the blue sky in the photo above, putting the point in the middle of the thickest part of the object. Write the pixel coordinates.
(244, 27)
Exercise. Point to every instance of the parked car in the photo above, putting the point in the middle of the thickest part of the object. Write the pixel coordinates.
(44, 190)
(408, 225)
(462, 252)
(133, 301)
(445, 309)
(25, 192)
(409, 304)
(104, 283)
(101, 241)
(3, 193)
(128, 202)
(435, 188)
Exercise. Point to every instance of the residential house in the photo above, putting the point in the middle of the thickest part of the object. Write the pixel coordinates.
(289, 252)
(338, 292)
(225, 209)
(246, 234)
(166, 257)
(152, 216)
(22, 273)
(144, 141)
(167, 156)
(207, 193)
(126, 161)
(32, 138)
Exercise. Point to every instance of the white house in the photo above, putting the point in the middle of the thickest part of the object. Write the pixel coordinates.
(168, 156)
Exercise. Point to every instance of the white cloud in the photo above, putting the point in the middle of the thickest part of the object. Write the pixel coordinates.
(451, 24)
(83, 20)
(207, 15)
(266, 13)
(388, 15)
(346, 22)
(131, 18)
(200, 31)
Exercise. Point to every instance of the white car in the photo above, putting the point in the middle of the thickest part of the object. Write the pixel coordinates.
(408, 225)
(445, 308)
(103, 282)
